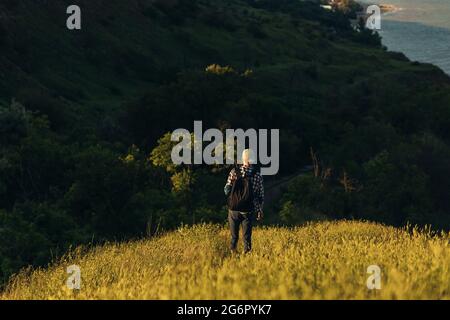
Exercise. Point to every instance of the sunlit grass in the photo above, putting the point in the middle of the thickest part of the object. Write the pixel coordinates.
(326, 260)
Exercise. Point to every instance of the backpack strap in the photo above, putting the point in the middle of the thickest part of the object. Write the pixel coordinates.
(237, 170)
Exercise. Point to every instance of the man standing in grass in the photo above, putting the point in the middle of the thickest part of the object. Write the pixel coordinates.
(245, 193)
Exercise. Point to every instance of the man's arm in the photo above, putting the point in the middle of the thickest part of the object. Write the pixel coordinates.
(259, 193)
(230, 180)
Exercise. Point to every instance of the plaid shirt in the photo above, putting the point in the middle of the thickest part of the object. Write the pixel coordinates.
(257, 185)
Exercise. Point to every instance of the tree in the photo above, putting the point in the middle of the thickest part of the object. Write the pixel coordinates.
(182, 177)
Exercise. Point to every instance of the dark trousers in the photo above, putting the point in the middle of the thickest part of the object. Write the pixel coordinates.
(236, 219)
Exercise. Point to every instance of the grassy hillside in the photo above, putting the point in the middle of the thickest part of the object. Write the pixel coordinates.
(89, 107)
(319, 261)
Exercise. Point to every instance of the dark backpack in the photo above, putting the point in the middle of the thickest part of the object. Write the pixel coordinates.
(241, 196)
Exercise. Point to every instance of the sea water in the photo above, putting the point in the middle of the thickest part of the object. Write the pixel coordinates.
(418, 28)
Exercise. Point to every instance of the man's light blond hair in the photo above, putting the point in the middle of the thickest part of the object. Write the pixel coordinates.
(248, 156)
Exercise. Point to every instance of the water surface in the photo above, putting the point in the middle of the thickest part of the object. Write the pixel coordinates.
(420, 29)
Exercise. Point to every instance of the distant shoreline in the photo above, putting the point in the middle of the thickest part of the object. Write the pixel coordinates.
(385, 8)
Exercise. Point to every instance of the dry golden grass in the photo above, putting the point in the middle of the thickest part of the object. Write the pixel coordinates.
(327, 260)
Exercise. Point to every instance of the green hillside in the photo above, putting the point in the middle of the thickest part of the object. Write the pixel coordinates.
(82, 111)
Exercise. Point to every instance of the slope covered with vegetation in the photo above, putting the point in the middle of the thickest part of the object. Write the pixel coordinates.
(82, 111)
(319, 261)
